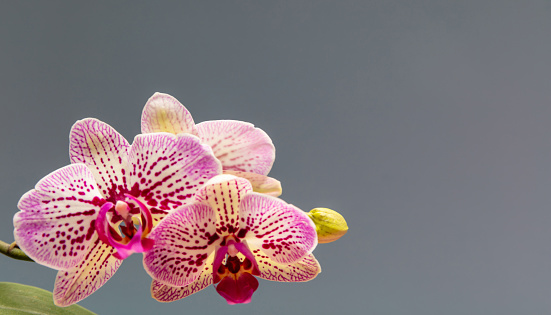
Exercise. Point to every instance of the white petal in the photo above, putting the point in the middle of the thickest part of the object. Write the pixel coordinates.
(84, 279)
(163, 113)
(103, 150)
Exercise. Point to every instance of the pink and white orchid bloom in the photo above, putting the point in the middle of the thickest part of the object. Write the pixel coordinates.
(228, 236)
(243, 150)
(85, 218)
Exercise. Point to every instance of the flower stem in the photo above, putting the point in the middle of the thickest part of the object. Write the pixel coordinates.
(12, 251)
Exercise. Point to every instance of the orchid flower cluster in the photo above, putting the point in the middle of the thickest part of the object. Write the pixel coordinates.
(195, 199)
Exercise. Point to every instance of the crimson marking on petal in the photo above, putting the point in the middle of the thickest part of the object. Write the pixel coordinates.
(171, 168)
(164, 293)
(283, 231)
(75, 284)
(224, 194)
(182, 243)
(239, 145)
(103, 149)
(303, 270)
(53, 232)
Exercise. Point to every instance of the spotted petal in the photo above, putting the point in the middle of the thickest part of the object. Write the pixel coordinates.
(163, 113)
(283, 232)
(165, 293)
(305, 269)
(261, 183)
(165, 170)
(89, 275)
(103, 150)
(224, 193)
(239, 145)
(183, 241)
(56, 221)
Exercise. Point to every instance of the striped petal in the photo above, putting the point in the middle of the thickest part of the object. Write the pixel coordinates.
(283, 232)
(166, 170)
(163, 113)
(224, 193)
(305, 269)
(103, 150)
(56, 221)
(183, 242)
(165, 293)
(239, 145)
(261, 184)
(89, 275)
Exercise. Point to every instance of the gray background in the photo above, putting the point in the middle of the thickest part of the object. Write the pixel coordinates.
(426, 123)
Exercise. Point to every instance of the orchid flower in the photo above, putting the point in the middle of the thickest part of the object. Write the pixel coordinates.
(243, 150)
(226, 237)
(85, 218)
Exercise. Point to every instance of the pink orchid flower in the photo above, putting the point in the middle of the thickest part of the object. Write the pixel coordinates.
(85, 218)
(226, 237)
(243, 150)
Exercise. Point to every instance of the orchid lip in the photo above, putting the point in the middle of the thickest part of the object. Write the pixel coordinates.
(129, 234)
(235, 279)
(231, 248)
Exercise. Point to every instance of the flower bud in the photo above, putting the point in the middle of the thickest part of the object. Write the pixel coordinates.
(330, 225)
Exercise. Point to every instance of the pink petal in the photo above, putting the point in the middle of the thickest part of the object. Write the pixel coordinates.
(239, 145)
(282, 231)
(261, 184)
(56, 222)
(224, 193)
(165, 170)
(238, 291)
(89, 275)
(183, 241)
(163, 113)
(165, 293)
(103, 150)
(303, 270)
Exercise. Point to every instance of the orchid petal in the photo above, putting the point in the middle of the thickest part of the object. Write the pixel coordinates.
(89, 275)
(163, 113)
(239, 145)
(261, 184)
(56, 221)
(224, 193)
(166, 170)
(103, 150)
(282, 231)
(165, 293)
(303, 270)
(183, 241)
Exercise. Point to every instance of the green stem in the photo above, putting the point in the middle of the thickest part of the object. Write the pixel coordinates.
(13, 252)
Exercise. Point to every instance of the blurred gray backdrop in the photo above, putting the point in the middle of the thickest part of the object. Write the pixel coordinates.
(425, 123)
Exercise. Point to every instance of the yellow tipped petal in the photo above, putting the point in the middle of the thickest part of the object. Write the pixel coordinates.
(330, 225)
(261, 184)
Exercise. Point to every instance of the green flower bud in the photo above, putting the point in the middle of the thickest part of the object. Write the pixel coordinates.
(330, 225)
